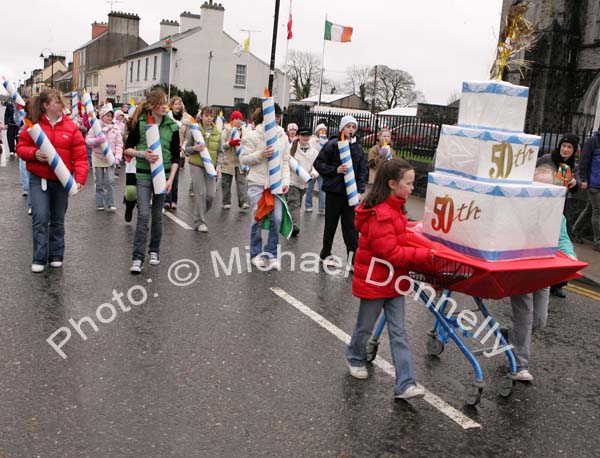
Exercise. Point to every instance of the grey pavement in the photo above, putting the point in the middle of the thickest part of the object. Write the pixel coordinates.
(224, 367)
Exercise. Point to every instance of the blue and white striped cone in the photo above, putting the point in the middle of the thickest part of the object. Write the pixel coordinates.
(322, 140)
(56, 163)
(74, 106)
(204, 154)
(16, 98)
(235, 135)
(349, 178)
(159, 179)
(299, 170)
(270, 126)
(388, 152)
(95, 123)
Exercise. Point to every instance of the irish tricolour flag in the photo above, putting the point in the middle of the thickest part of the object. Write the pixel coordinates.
(335, 32)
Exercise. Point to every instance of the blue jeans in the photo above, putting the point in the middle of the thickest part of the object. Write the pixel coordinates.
(25, 179)
(256, 246)
(146, 209)
(48, 210)
(309, 194)
(105, 186)
(401, 354)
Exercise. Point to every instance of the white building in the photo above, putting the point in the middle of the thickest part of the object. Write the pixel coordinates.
(203, 60)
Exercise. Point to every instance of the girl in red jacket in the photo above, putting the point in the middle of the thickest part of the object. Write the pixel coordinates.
(48, 196)
(381, 221)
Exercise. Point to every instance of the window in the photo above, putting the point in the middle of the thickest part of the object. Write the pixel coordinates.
(155, 67)
(138, 71)
(240, 76)
(597, 30)
(146, 69)
(95, 79)
(81, 79)
(131, 71)
(237, 101)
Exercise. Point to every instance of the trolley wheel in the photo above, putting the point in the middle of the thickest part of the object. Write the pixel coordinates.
(505, 386)
(473, 396)
(434, 346)
(372, 347)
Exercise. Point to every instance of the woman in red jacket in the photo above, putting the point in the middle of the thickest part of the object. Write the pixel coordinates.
(382, 259)
(48, 196)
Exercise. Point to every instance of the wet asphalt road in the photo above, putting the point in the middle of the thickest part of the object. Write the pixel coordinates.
(226, 368)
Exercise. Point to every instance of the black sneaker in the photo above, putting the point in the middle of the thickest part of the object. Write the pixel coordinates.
(295, 231)
(129, 206)
(558, 292)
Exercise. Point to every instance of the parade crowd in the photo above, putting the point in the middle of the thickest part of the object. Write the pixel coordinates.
(239, 150)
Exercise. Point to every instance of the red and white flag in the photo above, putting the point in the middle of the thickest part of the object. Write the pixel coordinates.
(290, 35)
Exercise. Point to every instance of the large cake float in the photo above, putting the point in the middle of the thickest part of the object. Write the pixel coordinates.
(481, 199)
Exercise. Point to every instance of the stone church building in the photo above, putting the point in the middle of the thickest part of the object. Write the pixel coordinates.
(564, 78)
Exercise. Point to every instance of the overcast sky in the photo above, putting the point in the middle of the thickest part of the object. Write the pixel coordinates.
(439, 42)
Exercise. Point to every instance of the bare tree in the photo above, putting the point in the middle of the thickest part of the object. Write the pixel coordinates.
(357, 80)
(304, 72)
(453, 97)
(395, 88)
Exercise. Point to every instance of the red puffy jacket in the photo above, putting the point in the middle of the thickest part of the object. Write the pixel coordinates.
(66, 138)
(383, 238)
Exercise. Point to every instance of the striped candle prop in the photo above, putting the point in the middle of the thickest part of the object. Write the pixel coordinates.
(387, 150)
(16, 98)
(204, 154)
(270, 126)
(132, 107)
(74, 106)
(235, 135)
(349, 178)
(299, 170)
(54, 160)
(95, 123)
(159, 179)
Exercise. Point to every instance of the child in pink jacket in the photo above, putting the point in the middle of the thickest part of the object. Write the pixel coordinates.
(104, 173)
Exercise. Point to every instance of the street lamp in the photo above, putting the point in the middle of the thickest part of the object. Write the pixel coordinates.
(51, 56)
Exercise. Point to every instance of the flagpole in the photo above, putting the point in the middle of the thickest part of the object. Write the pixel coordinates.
(285, 69)
(247, 70)
(322, 65)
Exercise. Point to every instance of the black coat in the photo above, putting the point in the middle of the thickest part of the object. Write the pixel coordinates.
(329, 160)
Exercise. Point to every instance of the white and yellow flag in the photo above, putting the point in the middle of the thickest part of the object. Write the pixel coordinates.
(244, 46)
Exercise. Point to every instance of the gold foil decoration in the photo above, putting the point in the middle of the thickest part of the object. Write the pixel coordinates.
(517, 34)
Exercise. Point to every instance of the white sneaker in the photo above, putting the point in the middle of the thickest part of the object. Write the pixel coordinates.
(523, 376)
(112, 209)
(100, 209)
(56, 264)
(136, 267)
(274, 264)
(359, 372)
(25, 193)
(37, 268)
(331, 262)
(245, 206)
(321, 211)
(259, 261)
(202, 228)
(413, 391)
(226, 206)
(308, 210)
(29, 211)
(154, 261)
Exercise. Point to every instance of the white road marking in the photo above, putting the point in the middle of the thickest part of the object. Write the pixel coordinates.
(178, 221)
(435, 401)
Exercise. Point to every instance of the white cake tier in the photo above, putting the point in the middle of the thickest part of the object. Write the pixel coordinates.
(493, 105)
(494, 222)
(487, 155)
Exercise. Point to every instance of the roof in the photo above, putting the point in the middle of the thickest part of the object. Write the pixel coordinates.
(325, 98)
(337, 110)
(87, 43)
(67, 76)
(400, 111)
(160, 43)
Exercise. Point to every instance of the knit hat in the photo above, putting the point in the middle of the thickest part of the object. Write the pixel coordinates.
(347, 120)
(236, 115)
(119, 113)
(319, 128)
(569, 138)
(303, 131)
(291, 126)
(105, 110)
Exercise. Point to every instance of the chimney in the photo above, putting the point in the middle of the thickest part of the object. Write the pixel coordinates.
(188, 21)
(168, 28)
(98, 28)
(124, 23)
(212, 16)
